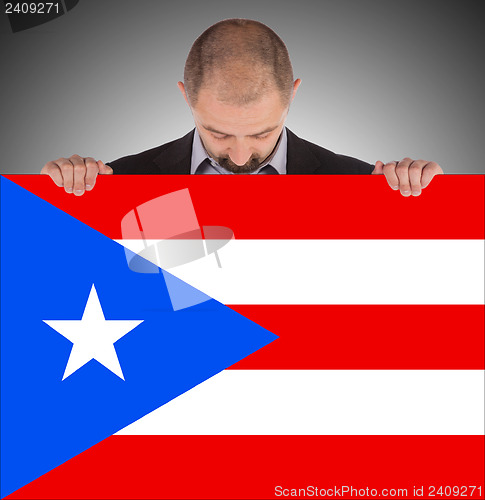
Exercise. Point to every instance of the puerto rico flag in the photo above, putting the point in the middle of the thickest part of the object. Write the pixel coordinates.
(242, 337)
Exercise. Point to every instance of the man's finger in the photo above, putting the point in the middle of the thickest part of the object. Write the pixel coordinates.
(389, 170)
(79, 174)
(430, 170)
(92, 170)
(378, 168)
(402, 172)
(104, 169)
(67, 171)
(415, 171)
(52, 169)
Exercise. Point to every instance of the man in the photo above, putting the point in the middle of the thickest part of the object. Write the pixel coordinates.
(238, 83)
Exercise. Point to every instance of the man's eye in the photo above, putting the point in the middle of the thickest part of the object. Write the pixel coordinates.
(220, 137)
(260, 137)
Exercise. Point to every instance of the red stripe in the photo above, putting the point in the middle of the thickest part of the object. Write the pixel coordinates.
(227, 467)
(399, 337)
(287, 207)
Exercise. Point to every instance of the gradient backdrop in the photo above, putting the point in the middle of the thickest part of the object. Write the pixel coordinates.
(381, 79)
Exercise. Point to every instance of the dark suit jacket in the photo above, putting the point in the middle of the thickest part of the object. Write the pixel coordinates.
(303, 157)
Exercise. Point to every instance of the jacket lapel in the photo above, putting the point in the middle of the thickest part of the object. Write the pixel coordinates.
(299, 158)
(175, 159)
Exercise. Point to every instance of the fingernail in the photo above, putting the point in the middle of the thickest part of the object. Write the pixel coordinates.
(88, 186)
(406, 193)
(395, 188)
(416, 193)
(79, 191)
(69, 190)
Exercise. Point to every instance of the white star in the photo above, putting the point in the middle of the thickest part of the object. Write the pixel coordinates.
(93, 337)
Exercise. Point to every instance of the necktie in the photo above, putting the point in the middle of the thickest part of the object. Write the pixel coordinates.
(206, 167)
(268, 170)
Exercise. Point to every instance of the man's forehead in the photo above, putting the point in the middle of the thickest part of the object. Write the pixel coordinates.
(215, 130)
(257, 118)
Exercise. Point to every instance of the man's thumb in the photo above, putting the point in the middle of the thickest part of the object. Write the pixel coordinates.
(104, 169)
(378, 168)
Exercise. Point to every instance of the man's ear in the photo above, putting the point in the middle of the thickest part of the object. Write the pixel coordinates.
(180, 85)
(295, 87)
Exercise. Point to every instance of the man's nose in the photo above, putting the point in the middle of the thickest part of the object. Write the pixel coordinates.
(240, 154)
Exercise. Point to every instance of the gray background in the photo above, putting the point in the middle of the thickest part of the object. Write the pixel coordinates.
(381, 79)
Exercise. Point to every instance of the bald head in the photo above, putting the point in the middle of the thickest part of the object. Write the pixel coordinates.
(241, 61)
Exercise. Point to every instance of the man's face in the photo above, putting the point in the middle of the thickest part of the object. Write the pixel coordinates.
(239, 138)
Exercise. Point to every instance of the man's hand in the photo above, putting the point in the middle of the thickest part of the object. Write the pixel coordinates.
(409, 176)
(76, 174)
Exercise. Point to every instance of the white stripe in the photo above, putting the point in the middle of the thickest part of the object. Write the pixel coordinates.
(314, 402)
(339, 271)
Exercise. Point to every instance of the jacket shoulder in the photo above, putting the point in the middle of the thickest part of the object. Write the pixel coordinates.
(337, 164)
(147, 162)
(328, 162)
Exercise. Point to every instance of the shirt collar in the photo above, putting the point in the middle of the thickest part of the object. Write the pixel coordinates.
(277, 159)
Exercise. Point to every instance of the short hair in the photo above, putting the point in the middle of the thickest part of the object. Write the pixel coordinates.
(242, 59)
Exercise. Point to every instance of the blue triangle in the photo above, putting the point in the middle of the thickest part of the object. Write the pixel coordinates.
(50, 261)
